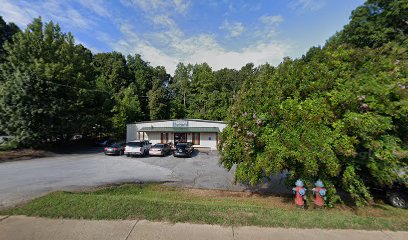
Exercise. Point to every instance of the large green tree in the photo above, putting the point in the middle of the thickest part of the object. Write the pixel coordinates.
(126, 109)
(48, 87)
(196, 91)
(142, 74)
(338, 114)
(6, 34)
(377, 22)
(159, 104)
(112, 77)
(180, 90)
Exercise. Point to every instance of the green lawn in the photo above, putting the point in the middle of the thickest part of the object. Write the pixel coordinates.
(159, 203)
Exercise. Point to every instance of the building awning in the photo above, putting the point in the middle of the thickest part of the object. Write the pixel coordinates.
(179, 129)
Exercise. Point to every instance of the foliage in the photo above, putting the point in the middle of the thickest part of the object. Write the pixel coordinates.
(199, 92)
(54, 89)
(6, 34)
(158, 96)
(133, 90)
(377, 22)
(338, 114)
(46, 91)
(127, 108)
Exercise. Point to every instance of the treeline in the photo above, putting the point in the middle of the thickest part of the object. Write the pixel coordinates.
(339, 113)
(52, 89)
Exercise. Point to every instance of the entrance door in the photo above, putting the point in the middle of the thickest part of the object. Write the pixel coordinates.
(196, 138)
(180, 138)
(164, 137)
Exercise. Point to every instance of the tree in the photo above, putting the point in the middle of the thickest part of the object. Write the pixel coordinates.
(127, 109)
(202, 86)
(159, 106)
(112, 76)
(180, 90)
(338, 114)
(376, 23)
(47, 93)
(6, 34)
(142, 75)
(112, 71)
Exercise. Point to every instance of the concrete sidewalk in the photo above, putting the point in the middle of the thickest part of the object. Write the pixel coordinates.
(21, 227)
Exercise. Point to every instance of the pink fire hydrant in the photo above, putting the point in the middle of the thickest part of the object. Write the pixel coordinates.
(320, 192)
(299, 192)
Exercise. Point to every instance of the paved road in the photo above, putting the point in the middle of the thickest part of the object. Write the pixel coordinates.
(20, 227)
(23, 180)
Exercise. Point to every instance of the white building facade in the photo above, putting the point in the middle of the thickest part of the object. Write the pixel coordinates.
(202, 133)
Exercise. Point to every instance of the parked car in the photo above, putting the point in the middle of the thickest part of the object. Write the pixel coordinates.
(183, 150)
(103, 143)
(137, 148)
(160, 149)
(115, 149)
(397, 195)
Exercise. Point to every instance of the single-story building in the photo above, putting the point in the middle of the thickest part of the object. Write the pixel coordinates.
(202, 133)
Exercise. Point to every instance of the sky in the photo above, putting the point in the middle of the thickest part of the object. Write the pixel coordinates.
(223, 33)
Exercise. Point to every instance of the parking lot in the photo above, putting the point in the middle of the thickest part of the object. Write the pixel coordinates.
(23, 180)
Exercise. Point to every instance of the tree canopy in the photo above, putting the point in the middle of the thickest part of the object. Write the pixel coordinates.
(338, 114)
(45, 94)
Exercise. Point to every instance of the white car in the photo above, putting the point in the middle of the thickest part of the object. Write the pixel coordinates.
(137, 148)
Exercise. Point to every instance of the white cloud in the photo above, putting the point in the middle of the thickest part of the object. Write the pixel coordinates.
(271, 20)
(307, 5)
(181, 6)
(23, 12)
(97, 6)
(170, 45)
(165, 44)
(268, 27)
(13, 13)
(197, 49)
(163, 6)
(234, 29)
(163, 20)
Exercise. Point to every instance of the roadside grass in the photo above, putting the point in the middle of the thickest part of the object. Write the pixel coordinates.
(9, 151)
(160, 203)
(20, 154)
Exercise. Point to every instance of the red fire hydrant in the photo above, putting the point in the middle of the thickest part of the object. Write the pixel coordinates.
(299, 192)
(320, 192)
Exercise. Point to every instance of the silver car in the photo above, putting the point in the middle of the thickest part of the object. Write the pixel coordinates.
(137, 148)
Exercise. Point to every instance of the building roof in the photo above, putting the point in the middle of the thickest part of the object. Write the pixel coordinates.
(195, 120)
(179, 129)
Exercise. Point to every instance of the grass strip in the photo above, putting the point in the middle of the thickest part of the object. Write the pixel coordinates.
(158, 203)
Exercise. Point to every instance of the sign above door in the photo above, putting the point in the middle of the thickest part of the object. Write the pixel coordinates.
(180, 123)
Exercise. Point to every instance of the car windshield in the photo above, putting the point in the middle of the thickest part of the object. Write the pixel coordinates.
(134, 144)
(181, 145)
(158, 146)
(116, 145)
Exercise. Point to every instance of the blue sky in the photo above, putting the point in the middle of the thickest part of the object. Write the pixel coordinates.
(224, 33)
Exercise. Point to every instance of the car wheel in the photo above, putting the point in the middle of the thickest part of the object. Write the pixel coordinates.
(397, 199)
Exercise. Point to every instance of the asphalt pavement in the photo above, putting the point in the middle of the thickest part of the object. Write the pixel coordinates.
(23, 180)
